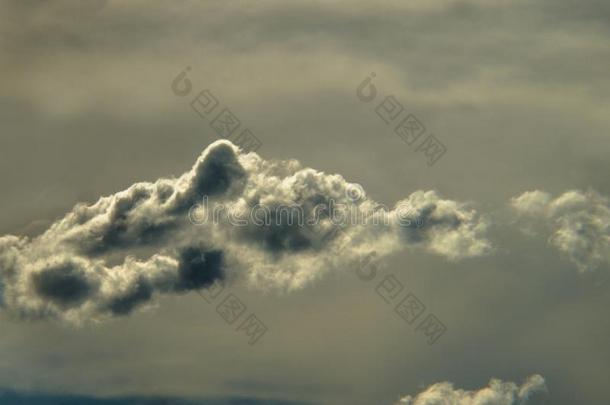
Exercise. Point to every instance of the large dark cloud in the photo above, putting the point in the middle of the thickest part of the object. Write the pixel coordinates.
(176, 235)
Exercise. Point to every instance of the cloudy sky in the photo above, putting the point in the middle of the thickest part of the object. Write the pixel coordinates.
(472, 135)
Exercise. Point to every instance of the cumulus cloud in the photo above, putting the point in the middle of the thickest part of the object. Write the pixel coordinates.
(496, 393)
(234, 215)
(578, 221)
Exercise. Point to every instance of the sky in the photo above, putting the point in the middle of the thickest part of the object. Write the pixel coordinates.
(492, 205)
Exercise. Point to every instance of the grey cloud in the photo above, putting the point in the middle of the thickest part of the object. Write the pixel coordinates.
(140, 291)
(454, 230)
(578, 223)
(86, 264)
(200, 268)
(65, 283)
(214, 174)
(497, 393)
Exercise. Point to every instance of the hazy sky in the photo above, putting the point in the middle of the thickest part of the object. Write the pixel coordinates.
(516, 91)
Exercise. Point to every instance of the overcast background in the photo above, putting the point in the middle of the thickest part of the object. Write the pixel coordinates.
(516, 90)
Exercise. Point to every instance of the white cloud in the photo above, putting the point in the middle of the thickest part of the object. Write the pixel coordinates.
(579, 223)
(496, 393)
